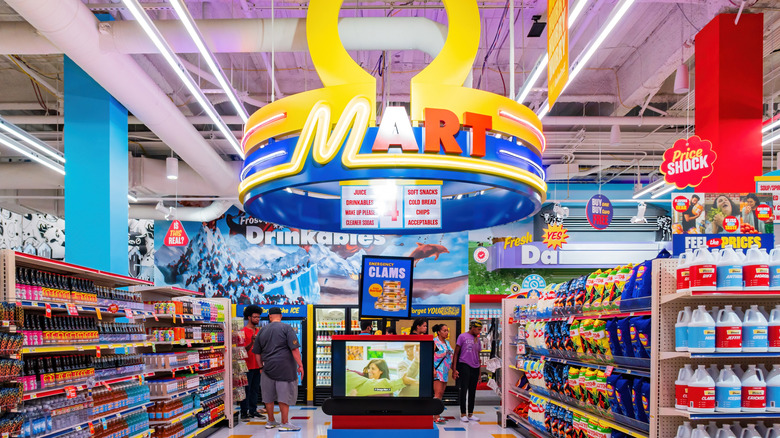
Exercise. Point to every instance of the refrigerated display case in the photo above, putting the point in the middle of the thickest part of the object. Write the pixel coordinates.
(299, 325)
(378, 324)
(328, 321)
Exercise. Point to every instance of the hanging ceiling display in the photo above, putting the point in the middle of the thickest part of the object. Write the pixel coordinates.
(463, 159)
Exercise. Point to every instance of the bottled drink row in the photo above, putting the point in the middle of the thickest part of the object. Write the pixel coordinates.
(54, 413)
(120, 396)
(178, 430)
(116, 365)
(172, 334)
(166, 387)
(167, 361)
(165, 410)
(123, 427)
(211, 360)
(36, 285)
(212, 409)
(211, 385)
(323, 378)
(12, 313)
(55, 371)
(67, 330)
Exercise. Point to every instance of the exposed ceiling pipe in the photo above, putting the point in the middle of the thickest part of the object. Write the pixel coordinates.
(148, 177)
(189, 214)
(547, 121)
(241, 35)
(74, 29)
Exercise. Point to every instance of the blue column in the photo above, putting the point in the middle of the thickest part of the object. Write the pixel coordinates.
(96, 174)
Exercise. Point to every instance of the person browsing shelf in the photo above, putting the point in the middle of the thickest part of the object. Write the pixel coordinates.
(465, 365)
(442, 359)
(249, 404)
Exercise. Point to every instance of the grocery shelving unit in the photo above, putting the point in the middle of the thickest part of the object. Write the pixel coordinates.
(515, 351)
(10, 260)
(667, 362)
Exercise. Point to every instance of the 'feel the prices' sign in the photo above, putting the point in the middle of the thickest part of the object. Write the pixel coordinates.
(688, 162)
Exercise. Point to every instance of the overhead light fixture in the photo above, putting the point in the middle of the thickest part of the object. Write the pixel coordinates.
(540, 66)
(640, 214)
(211, 61)
(537, 28)
(614, 135)
(681, 85)
(663, 191)
(31, 154)
(23, 136)
(770, 140)
(617, 14)
(172, 167)
(173, 61)
(771, 124)
(131, 198)
(649, 188)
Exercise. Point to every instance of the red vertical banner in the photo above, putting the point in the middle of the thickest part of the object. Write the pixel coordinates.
(729, 100)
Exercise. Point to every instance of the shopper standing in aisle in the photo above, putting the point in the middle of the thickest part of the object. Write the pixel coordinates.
(442, 359)
(278, 354)
(465, 367)
(419, 327)
(366, 327)
(249, 404)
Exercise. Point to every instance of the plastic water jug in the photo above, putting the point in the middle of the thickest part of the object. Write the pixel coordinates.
(753, 390)
(739, 311)
(738, 371)
(756, 269)
(774, 329)
(728, 331)
(755, 331)
(701, 332)
(700, 432)
(684, 431)
(712, 428)
(681, 387)
(773, 389)
(703, 271)
(750, 432)
(729, 270)
(714, 371)
(736, 428)
(684, 271)
(701, 392)
(728, 391)
(681, 329)
(725, 432)
(773, 432)
(774, 269)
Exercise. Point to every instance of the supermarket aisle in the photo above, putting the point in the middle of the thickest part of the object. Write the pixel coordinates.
(314, 424)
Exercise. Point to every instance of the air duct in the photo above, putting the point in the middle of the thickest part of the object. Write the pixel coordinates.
(189, 214)
(72, 27)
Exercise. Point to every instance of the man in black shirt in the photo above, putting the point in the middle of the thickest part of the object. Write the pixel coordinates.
(689, 217)
(278, 354)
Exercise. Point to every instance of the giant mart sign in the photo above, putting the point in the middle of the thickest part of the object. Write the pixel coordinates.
(484, 148)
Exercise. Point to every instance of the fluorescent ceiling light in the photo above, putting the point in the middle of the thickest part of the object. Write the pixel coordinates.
(131, 198)
(649, 188)
(663, 191)
(22, 135)
(540, 66)
(770, 140)
(618, 13)
(208, 56)
(772, 125)
(167, 52)
(31, 154)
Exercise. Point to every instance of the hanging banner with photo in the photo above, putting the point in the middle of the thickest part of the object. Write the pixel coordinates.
(720, 219)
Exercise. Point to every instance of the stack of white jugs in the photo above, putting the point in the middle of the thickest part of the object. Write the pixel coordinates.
(728, 330)
(729, 390)
(733, 430)
(728, 270)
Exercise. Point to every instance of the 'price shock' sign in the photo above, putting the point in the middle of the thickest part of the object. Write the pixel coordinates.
(599, 211)
(688, 162)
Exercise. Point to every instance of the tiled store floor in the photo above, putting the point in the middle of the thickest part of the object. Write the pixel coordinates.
(314, 424)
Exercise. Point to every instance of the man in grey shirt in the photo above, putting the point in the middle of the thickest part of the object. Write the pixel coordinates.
(277, 352)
